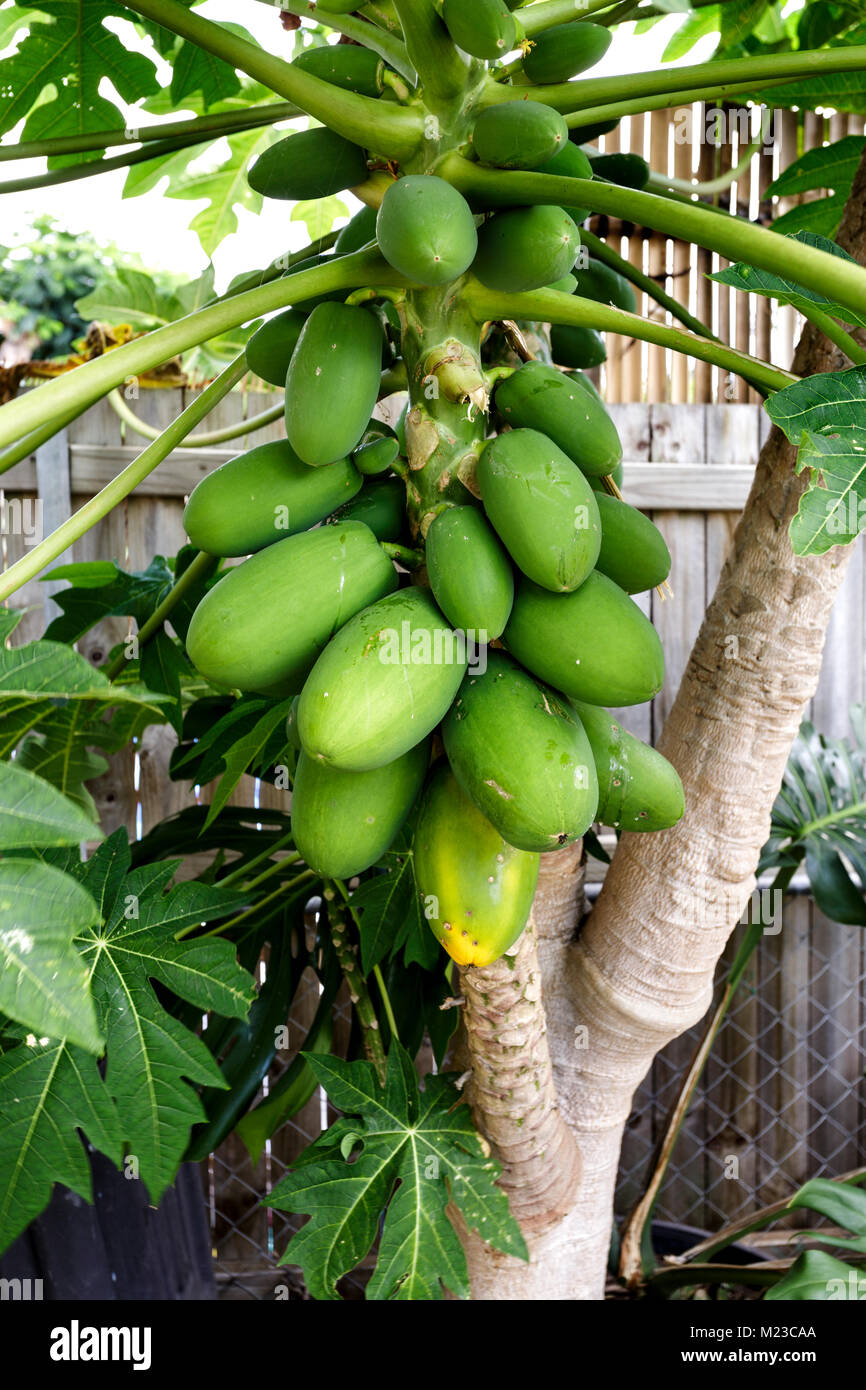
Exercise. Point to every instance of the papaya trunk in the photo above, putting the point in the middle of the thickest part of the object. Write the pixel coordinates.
(642, 969)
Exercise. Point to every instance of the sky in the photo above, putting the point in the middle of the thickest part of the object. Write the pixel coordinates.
(158, 227)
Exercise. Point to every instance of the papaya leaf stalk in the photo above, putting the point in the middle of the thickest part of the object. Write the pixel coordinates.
(388, 46)
(386, 127)
(732, 237)
(650, 287)
(89, 382)
(35, 560)
(196, 441)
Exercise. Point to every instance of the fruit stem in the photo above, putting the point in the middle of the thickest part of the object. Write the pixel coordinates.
(441, 71)
(197, 569)
(390, 129)
(738, 240)
(248, 912)
(196, 441)
(30, 565)
(358, 991)
(221, 123)
(536, 18)
(412, 559)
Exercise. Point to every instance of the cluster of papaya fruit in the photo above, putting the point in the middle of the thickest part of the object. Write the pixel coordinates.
(486, 633)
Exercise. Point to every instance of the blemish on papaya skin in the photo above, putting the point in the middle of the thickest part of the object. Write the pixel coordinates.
(500, 791)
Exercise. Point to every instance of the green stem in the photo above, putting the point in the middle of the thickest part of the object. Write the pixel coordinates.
(388, 46)
(838, 335)
(441, 71)
(536, 18)
(841, 280)
(386, 1003)
(197, 569)
(31, 442)
(660, 101)
(219, 123)
(243, 869)
(387, 128)
(412, 559)
(278, 267)
(70, 173)
(650, 287)
(276, 868)
(709, 186)
(358, 991)
(618, 14)
(30, 565)
(708, 77)
(551, 306)
(250, 911)
(197, 441)
(94, 379)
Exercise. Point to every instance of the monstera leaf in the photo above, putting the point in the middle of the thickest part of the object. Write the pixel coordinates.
(819, 819)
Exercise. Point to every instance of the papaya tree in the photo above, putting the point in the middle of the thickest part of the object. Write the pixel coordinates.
(419, 629)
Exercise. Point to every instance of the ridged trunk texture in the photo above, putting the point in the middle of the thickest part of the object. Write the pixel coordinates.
(642, 969)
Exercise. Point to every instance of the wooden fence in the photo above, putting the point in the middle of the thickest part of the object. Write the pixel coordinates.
(791, 1046)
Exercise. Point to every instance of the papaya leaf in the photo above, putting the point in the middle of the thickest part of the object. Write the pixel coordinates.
(843, 1204)
(832, 510)
(704, 21)
(844, 91)
(246, 752)
(420, 1151)
(9, 620)
(319, 215)
(813, 1277)
(164, 666)
(381, 905)
(819, 818)
(821, 216)
(43, 980)
(86, 602)
(68, 57)
(747, 277)
(48, 1092)
(225, 188)
(153, 1060)
(59, 752)
(828, 166)
(32, 812)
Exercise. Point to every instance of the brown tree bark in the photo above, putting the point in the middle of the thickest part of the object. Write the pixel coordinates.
(642, 969)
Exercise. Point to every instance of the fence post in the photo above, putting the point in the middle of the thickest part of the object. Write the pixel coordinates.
(54, 489)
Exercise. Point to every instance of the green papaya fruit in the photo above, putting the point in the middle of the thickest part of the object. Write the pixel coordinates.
(519, 135)
(470, 573)
(332, 383)
(378, 449)
(270, 348)
(349, 66)
(262, 626)
(564, 407)
(476, 889)
(342, 822)
(593, 644)
(573, 346)
(357, 232)
(562, 52)
(526, 248)
(381, 505)
(262, 496)
(520, 754)
(426, 230)
(600, 282)
(483, 28)
(638, 787)
(542, 508)
(309, 164)
(628, 170)
(382, 684)
(597, 481)
(569, 163)
(633, 551)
